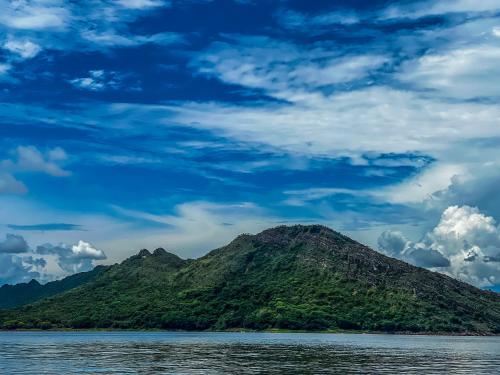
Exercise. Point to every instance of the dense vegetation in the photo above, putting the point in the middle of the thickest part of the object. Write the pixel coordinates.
(22, 294)
(300, 277)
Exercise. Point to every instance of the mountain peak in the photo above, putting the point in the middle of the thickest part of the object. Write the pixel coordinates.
(285, 233)
(160, 251)
(144, 253)
(296, 229)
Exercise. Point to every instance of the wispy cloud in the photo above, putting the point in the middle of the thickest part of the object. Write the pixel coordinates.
(78, 25)
(100, 80)
(426, 8)
(284, 70)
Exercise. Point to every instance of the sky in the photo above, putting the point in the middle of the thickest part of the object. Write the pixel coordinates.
(130, 124)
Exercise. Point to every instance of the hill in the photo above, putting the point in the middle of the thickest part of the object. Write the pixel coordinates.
(299, 277)
(21, 294)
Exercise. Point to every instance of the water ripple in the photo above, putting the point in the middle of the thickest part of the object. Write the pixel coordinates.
(243, 353)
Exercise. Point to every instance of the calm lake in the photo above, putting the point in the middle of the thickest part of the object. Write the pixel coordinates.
(243, 353)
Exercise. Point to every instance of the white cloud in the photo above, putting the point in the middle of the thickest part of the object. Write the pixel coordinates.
(300, 21)
(142, 4)
(29, 158)
(4, 68)
(70, 259)
(34, 14)
(434, 8)
(10, 185)
(303, 196)
(461, 73)
(378, 119)
(395, 244)
(110, 38)
(462, 228)
(422, 186)
(85, 250)
(75, 258)
(95, 81)
(57, 154)
(476, 186)
(465, 244)
(24, 48)
(283, 69)
(100, 80)
(16, 265)
(79, 25)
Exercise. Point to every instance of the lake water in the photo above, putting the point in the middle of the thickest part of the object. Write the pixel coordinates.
(243, 353)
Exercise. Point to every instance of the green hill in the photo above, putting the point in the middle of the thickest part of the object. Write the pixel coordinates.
(299, 277)
(21, 294)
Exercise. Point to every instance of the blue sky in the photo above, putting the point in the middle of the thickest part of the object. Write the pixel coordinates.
(144, 123)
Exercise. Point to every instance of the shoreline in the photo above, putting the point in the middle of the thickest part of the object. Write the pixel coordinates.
(273, 331)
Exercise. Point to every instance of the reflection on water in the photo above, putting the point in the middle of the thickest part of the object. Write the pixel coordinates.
(243, 353)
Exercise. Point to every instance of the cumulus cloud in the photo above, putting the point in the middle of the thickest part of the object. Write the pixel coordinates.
(35, 262)
(392, 243)
(395, 244)
(476, 186)
(13, 270)
(75, 258)
(465, 244)
(13, 244)
(21, 263)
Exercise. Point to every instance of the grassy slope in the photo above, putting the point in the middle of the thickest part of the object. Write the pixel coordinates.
(288, 277)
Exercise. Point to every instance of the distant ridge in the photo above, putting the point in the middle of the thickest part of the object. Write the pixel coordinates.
(21, 294)
(288, 277)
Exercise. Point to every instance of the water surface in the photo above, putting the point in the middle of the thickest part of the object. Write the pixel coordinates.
(243, 353)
